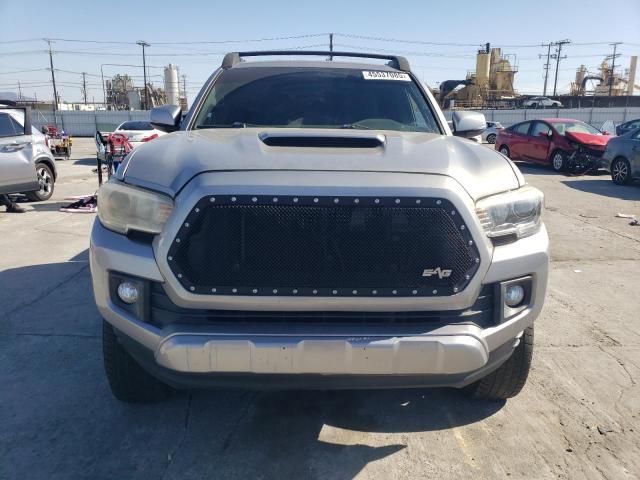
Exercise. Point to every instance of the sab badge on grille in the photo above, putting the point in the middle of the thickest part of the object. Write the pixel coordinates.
(442, 273)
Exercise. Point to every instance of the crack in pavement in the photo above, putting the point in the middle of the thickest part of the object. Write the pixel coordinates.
(583, 220)
(243, 413)
(172, 455)
(46, 292)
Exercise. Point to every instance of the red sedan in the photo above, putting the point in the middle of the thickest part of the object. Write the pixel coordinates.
(561, 142)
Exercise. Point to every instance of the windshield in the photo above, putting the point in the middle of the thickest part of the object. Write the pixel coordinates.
(575, 127)
(309, 97)
(135, 126)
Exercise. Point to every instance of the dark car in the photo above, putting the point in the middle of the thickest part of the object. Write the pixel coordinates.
(627, 126)
(563, 143)
(622, 157)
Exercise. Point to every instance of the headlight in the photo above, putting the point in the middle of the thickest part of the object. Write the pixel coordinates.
(515, 213)
(122, 208)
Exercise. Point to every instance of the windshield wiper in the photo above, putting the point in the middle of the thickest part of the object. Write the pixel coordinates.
(356, 126)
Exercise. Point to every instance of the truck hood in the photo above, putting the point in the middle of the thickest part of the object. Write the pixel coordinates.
(597, 142)
(170, 162)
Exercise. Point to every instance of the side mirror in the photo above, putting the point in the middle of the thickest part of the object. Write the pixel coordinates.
(166, 118)
(604, 132)
(468, 124)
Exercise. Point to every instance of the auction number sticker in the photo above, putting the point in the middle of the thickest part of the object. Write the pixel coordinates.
(376, 75)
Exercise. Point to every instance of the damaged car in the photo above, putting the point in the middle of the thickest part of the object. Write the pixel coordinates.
(565, 144)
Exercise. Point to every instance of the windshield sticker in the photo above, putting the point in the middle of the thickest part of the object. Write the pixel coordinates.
(372, 75)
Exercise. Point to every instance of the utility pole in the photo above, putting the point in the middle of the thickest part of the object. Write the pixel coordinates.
(546, 66)
(613, 65)
(558, 56)
(184, 86)
(84, 86)
(144, 44)
(19, 92)
(53, 79)
(331, 46)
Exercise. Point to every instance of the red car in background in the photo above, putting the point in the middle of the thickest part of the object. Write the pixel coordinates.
(563, 143)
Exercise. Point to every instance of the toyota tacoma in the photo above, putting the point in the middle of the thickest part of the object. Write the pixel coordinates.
(316, 224)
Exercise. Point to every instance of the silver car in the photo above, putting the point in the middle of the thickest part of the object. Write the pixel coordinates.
(314, 224)
(622, 157)
(26, 163)
(491, 132)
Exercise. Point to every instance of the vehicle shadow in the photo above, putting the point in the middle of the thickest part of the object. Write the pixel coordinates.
(89, 161)
(605, 187)
(535, 169)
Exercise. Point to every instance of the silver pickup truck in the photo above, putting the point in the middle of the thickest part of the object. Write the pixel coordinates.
(315, 224)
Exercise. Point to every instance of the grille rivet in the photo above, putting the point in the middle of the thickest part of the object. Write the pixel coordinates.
(192, 288)
(255, 290)
(235, 290)
(170, 258)
(233, 199)
(275, 290)
(179, 275)
(414, 292)
(453, 212)
(435, 292)
(254, 199)
(315, 292)
(212, 199)
(455, 289)
(355, 292)
(397, 200)
(375, 292)
(418, 201)
(177, 240)
(335, 292)
(336, 200)
(295, 200)
(467, 277)
(315, 200)
(438, 202)
(462, 227)
(275, 199)
(197, 210)
(377, 200)
(295, 291)
(356, 200)
(477, 260)
(214, 290)
(394, 292)
(186, 224)
(470, 242)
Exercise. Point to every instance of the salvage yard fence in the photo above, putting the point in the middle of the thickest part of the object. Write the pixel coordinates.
(85, 124)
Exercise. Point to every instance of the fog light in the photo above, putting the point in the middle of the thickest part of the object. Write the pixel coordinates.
(513, 295)
(128, 292)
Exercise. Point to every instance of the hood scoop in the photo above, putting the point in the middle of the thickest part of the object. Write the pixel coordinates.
(318, 140)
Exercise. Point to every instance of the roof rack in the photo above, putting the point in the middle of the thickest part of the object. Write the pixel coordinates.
(234, 58)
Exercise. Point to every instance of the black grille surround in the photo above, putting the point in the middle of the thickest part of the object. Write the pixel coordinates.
(324, 246)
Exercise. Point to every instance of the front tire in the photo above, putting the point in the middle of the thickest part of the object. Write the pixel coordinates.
(504, 150)
(620, 171)
(128, 381)
(491, 138)
(46, 181)
(509, 379)
(558, 161)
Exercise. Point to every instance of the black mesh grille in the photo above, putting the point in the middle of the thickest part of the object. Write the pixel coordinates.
(323, 246)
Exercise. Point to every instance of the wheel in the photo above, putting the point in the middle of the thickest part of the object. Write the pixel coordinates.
(558, 161)
(128, 381)
(620, 171)
(534, 105)
(491, 138)
(46, 181)
(509, 379)
(504, 150)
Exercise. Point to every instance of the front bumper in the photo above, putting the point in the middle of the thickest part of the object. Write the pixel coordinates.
(444, 355)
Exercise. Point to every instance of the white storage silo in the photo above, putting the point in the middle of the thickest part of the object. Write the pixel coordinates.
(171, 85)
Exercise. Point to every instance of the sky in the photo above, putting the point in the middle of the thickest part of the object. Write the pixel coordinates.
(439, 38)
